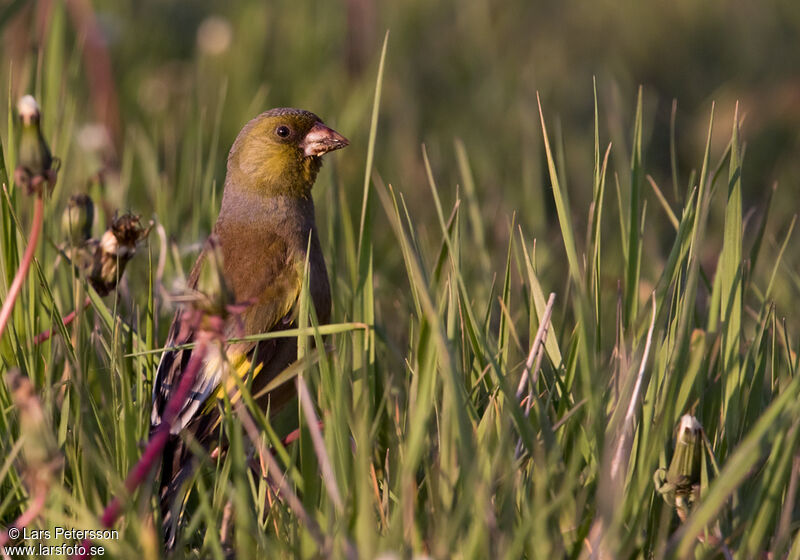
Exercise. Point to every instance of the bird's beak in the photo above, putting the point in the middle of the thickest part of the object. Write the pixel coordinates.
(321, 140)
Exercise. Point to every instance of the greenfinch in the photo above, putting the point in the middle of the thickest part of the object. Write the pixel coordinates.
(265, 233)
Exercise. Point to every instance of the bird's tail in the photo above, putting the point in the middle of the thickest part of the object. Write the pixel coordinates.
(177, 465)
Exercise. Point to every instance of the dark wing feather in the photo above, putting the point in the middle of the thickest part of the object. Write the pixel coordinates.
(270, 285)
(173, 362)
(267, 276)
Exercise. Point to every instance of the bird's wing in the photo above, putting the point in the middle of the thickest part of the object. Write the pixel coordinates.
(269, 283)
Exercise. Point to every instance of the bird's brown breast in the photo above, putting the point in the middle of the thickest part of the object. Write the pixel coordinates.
(265, 243)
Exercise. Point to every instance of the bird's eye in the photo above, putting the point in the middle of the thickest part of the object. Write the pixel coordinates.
(283, 131)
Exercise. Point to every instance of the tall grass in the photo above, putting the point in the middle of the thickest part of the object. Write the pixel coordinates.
(430, 445)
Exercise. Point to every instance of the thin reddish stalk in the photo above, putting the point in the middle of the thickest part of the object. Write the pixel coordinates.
(22, 271)
(294, 435)
(27, 516)
(44, 336)
(158, 440)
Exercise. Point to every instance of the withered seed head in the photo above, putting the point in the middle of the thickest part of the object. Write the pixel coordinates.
(113, 251)
(128, 229)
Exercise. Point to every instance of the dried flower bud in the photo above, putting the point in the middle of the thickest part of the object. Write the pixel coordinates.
(41, 457)
(28, 109)
(35, 164)
(112, 252)
(77, 219)
(680, 484)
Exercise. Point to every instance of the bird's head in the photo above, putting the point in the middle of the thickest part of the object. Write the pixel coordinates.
(280, 152)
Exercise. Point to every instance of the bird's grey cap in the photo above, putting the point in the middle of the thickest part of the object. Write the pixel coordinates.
(283, 111)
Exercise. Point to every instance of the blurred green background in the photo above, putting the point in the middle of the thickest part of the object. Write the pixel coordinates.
(154, 78)
(141, 100)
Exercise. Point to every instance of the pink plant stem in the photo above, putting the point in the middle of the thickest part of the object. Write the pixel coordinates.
(66, 320)
(27, 516)
(294, 435)
(22, 271)
(158, 440)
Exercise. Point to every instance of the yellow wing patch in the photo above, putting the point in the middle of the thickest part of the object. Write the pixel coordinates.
(235, 363)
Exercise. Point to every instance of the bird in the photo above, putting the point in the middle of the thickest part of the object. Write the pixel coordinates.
(264, 235)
